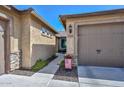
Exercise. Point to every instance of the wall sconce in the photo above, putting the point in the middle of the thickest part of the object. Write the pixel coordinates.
(70, 29)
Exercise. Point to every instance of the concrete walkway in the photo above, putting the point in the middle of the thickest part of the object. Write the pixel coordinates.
(89, 76)
(42, 78)
(9, 80)
(50, 69)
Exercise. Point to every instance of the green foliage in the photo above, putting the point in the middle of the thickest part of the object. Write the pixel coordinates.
(42, 63)
(62, 63)
(39, 65)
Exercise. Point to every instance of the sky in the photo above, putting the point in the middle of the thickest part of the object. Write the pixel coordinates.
(51, 12)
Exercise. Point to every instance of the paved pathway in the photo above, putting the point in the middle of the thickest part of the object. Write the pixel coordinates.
(88, 77)
(42, 78)
(51, 68)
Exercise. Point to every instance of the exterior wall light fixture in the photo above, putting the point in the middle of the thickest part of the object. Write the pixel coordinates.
(70, 29)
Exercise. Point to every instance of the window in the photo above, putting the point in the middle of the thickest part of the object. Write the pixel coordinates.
(63, 43)
(45, 32)
(42, 30)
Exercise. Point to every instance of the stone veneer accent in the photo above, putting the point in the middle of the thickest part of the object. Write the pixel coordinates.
(15, 60)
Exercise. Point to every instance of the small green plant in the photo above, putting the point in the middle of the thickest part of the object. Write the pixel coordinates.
(39, 65)
(42, 63)
(62, 63)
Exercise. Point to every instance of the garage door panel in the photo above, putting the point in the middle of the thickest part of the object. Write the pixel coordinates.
(85, 43)
(111, 50)
(106, 38)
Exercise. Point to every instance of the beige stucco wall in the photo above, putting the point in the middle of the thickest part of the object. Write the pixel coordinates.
(15, 35)
(15, 29)
(72, 40)
(25, 35)
(42, 47)
(19, 36)
(25, 40)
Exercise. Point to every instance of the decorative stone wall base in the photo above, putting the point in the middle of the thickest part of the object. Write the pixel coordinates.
(15, 60)
(75, 62)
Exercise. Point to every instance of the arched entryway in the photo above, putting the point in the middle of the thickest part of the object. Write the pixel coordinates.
(4, 46)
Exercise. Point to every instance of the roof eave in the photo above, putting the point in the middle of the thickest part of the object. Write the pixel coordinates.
(31, 10)
(63, 18)
(41, 19)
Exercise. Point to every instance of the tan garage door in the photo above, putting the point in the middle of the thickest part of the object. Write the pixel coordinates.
(101, 45)
(2, 61)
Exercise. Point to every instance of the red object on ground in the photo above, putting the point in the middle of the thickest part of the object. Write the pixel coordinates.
(68, 62)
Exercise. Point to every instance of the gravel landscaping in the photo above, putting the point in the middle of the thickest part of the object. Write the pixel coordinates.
(67, 75)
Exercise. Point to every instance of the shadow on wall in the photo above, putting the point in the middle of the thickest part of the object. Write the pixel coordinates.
(41, 51)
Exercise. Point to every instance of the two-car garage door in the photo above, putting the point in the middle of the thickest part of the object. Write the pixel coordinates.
(101, 45)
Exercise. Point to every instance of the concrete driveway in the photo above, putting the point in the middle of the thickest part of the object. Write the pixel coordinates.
(100, 76)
